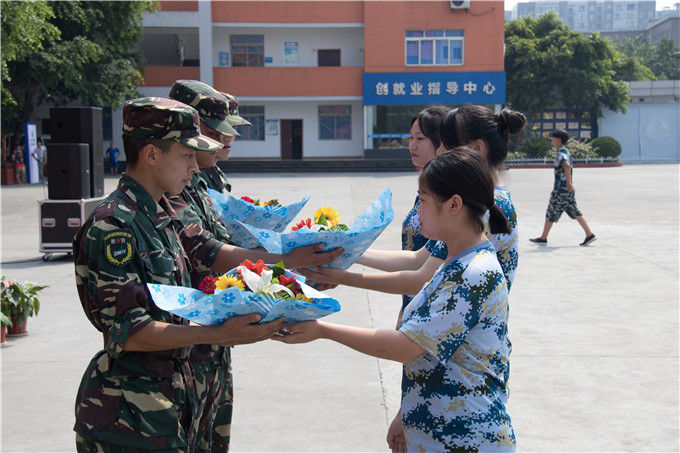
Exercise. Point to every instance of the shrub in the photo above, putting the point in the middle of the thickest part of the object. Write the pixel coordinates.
(606, 146)
(534, 146)
(580, 149)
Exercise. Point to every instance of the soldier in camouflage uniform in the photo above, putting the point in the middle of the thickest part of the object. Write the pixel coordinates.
(139, 392)
(214, 176)
(202, 235)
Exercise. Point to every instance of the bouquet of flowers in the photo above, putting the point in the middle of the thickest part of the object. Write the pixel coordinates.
(325, 219)
(248, 288)
(257, 202)
(326, 228)
(270, 215)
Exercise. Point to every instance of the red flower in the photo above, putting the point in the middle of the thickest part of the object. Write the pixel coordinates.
(287, 282)
(303, 223)
(248, 199)
(257, 267)
(208, 285)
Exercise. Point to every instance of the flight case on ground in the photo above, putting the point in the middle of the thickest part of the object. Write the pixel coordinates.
(60, 220)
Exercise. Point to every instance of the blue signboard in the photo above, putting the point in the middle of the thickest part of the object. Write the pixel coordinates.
(422, 88)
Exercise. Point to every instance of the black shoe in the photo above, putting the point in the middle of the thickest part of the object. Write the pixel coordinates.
(588, 240)
(539, 241)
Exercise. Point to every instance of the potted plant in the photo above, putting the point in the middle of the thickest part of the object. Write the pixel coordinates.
(19, 302)
(4, 321)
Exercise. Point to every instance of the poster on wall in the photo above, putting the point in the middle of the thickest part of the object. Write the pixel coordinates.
(32, 175)
(272, 127)
(290, 53)
(224, 58)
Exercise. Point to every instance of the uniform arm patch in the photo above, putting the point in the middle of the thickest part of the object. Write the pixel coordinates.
(118, 247)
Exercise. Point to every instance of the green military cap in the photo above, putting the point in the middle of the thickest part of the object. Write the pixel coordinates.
(234, 119)
(166, 119)
(212, 107)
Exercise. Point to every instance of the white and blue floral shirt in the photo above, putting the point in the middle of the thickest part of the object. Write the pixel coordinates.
(562, 155)
(454, 395)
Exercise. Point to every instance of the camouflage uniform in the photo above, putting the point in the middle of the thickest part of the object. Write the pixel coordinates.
(130, 400)
(201, 225)
(200, 231)
(215, 179)
(214, 176)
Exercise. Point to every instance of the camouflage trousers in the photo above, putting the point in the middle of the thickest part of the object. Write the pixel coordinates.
(214, 389)
(223, 412)
(86, 445)
(561, 202)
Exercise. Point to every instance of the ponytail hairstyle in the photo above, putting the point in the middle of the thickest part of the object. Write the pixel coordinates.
(429, 121)
(463, 172)
(469, 122)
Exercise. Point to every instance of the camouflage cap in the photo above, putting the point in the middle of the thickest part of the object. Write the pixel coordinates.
(234, 119)
(212, 107)
(166, 119)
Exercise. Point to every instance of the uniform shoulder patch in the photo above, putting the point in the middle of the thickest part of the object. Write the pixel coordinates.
(118, 247)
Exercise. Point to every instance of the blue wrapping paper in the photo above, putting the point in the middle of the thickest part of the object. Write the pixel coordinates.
(235, 212)
(361, 234)
(205, 309)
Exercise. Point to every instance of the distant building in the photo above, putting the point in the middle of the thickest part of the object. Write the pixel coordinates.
(592, 15)
(611, 18)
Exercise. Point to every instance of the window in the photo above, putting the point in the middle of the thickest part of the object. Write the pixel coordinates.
(255, 115)
(335, 122)
(247, 50)
(329, 57)
(434, 47)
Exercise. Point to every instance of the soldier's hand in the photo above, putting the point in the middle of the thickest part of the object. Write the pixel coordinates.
(310, 256)
(243, 330)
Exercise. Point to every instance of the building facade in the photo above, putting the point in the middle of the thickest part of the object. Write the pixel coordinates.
(328, 79)
(592, 15)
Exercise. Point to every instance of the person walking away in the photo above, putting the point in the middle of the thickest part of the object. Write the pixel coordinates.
(563, 196)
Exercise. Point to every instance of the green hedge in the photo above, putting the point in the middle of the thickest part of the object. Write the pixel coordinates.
(606, 146)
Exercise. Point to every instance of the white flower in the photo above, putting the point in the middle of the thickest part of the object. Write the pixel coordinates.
(262, 284)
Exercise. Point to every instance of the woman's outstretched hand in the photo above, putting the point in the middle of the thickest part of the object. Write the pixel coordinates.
(303, 332)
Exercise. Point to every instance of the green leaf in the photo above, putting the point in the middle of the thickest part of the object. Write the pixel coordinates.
(339, 227)
(278, 270)
(321, 220)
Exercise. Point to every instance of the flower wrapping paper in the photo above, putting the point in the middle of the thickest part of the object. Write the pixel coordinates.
(361, 234)
(235, 212)
(206, 309)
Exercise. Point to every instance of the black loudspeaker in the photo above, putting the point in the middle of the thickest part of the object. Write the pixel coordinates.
(81, 125)
(68, 171)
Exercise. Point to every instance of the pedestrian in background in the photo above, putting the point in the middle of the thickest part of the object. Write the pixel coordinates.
(19, 164)
(563, 197)
(39, 154)
(112, 154)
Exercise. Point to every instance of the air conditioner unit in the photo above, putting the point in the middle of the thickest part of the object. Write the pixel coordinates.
(459, 4)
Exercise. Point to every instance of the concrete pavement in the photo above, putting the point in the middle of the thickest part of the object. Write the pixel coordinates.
(594, 365)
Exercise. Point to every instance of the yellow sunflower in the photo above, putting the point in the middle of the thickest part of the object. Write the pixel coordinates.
(302, 297)
(227, 281)
(329, 213)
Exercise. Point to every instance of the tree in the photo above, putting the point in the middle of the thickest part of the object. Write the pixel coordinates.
(665, 63)
(658, 60)
(633, 53)
(24, 27)
(549, 65)
(92, 58)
